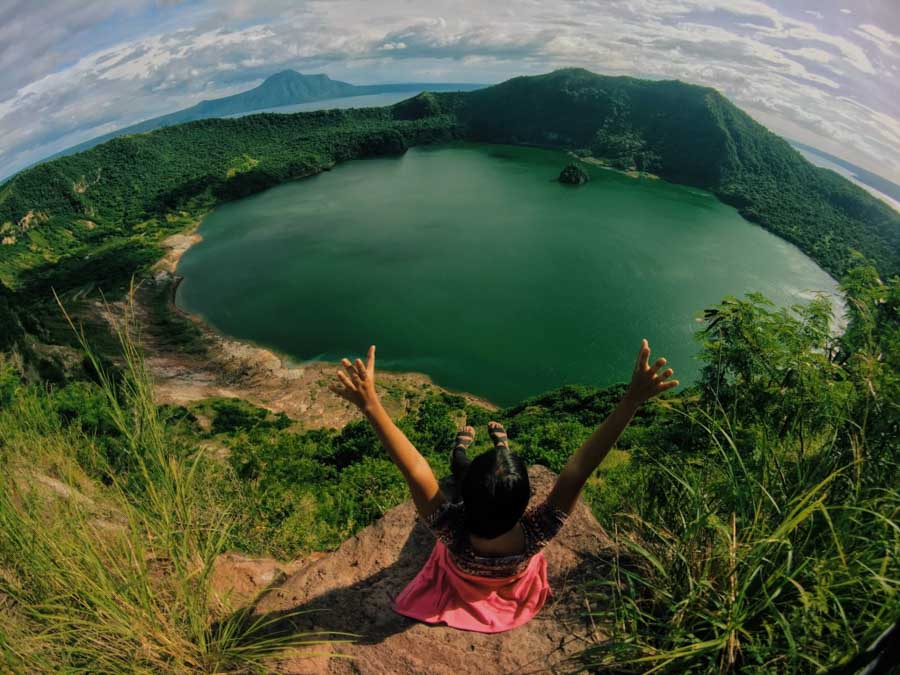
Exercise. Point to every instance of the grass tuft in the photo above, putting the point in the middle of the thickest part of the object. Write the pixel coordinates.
(114, 578)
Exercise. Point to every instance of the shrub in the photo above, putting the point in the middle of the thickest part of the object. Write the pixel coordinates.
(768, 540)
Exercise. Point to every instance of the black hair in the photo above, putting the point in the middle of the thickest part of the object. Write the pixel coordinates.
(495, 491)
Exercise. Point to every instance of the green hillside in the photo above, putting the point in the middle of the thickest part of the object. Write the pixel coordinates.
(140, 186)
(692, 135)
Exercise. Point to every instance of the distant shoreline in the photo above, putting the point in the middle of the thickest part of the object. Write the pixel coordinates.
(881, 188)
(600, 164)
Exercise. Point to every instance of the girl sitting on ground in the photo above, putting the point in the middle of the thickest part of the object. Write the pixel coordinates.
(487, 572)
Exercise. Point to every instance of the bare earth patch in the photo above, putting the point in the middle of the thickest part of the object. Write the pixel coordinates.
(175, 247)
(31, 219)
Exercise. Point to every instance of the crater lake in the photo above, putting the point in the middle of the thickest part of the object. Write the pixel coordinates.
(473, 264)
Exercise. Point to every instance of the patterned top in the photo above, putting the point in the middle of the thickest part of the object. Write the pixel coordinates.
(539, 525)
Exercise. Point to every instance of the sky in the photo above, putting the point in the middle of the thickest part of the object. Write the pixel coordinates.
(826, 73)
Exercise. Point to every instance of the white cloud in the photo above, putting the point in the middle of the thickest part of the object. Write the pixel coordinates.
(887, 43)
(801, 77)
(811, 54)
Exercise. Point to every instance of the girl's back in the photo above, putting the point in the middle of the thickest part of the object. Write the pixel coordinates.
(471, 589)
(537, 526)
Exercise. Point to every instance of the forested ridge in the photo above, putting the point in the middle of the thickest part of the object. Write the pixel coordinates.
(692, 135)
(137, 188)
(142, 186)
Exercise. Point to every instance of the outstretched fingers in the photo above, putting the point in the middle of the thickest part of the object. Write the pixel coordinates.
(669, 384)
(659, 363)
(345, 380)
(663, 383)
(648, 381)
(352, 374)
(643, 356)
(370, 360)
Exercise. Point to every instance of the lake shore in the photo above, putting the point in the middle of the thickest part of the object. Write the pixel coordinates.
(192, 360)
(216, 365)
(601, 164)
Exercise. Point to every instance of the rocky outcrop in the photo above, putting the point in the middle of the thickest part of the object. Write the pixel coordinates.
(573, 175)
(236, 580)
(351, 590)
(31, 219)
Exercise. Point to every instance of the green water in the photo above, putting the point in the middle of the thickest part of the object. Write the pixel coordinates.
(472, 264)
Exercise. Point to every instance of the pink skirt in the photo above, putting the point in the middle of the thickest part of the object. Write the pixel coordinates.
(442, 593)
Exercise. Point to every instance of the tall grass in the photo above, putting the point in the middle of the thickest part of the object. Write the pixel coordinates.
(775, 563)
(114, 578)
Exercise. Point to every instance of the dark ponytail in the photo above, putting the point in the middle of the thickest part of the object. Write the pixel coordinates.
(495, 492)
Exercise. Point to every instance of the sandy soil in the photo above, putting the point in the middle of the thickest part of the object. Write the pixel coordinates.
(600, 164)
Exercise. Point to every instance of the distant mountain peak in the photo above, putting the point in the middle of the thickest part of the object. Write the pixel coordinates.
(290, 75)
(284, 88)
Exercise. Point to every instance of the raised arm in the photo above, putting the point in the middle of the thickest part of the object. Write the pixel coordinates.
(357, 385)
(646, 382)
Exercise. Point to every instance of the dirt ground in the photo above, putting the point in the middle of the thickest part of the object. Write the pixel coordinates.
(351, 590)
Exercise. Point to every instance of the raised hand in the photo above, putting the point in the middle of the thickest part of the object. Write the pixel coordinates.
(646, 380)
(357, 382)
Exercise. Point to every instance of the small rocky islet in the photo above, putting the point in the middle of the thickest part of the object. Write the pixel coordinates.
(573, 175)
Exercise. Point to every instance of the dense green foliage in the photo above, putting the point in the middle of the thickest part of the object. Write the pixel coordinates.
(114, 576)
(10, 329)
(759, 531)
(573, 174)
(693, 135)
